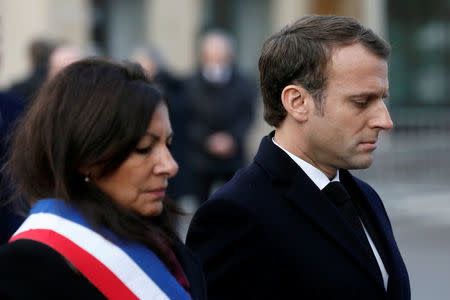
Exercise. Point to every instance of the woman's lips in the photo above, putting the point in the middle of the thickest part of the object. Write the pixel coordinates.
(158, 192)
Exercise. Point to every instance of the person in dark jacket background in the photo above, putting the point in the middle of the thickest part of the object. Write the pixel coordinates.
(10, 109)
(39, 53)
(10, 220)
(221, 110)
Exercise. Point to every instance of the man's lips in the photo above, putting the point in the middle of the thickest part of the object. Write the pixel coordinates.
(370, 144)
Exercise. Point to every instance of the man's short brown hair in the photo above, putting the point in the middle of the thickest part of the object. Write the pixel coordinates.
(299, 54)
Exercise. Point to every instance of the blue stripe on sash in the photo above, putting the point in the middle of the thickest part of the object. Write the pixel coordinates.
(142, 256)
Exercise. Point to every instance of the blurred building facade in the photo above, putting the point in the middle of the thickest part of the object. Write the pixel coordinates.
(115, 27)
(417, 30)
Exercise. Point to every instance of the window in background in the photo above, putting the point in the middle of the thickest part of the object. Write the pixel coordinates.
(419, 32)
(118, 26)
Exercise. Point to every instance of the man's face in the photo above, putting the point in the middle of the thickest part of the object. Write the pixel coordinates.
(354, 113)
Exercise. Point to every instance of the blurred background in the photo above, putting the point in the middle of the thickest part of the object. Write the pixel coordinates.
(412, 165)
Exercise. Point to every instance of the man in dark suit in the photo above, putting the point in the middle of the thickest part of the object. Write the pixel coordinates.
(221, 102)
(296, 224)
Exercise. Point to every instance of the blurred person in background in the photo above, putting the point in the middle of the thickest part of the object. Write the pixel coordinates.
(63, 55)
(221, 109)
(296, 224)
(10, 109)
(150, 59)
(39, 53)
(92, 159)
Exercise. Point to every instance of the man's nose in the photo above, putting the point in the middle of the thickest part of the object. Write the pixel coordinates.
(381, 120)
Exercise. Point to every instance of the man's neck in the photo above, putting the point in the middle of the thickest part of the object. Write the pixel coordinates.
(291, 145)
(315, 174)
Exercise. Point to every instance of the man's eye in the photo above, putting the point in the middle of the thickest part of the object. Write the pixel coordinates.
(361, 103)
(143, 150)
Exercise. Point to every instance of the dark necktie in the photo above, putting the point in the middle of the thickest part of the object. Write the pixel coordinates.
(339, 196)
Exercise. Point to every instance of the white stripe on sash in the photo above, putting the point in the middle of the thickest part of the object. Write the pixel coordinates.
(106, 252)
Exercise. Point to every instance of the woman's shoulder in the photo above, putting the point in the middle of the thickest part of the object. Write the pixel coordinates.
(29, 269)
(30, 256)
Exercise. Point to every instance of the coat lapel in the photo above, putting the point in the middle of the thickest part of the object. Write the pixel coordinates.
(394, 264)
(306, 197)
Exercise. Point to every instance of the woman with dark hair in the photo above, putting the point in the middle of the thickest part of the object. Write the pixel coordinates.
(92, 158)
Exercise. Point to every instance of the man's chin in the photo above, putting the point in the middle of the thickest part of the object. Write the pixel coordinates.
(361, 163)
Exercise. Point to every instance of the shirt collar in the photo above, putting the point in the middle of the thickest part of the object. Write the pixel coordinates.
(317, 176)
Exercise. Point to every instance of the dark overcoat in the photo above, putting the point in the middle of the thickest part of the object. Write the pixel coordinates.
(270, 233)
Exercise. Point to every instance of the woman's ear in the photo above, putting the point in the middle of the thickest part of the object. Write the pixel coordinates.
(85, 171)
(91, 172)
(295, 100)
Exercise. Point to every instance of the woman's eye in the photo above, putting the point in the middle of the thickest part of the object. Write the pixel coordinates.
(144, 150)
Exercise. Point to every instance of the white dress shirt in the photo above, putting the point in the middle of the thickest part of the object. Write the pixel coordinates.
(321, 180)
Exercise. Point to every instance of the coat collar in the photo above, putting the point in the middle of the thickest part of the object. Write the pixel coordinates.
(295, 186)
(394, 264)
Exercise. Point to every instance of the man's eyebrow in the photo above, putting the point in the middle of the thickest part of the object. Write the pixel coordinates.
(370, 95)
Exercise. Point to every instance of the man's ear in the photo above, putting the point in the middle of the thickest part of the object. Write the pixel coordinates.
(295, 101)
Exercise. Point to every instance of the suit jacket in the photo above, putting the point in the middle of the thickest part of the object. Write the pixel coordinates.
(31, 270)
(270, 233)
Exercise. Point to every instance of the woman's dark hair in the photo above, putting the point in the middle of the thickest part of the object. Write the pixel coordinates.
(300, 53)
(93, 113)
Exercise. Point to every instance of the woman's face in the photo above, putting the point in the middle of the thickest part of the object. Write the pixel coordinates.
(140, 182)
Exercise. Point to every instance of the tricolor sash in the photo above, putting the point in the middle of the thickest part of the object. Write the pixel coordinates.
(119, 268)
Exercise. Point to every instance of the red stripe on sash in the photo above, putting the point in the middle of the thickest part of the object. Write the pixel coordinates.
(95, 271)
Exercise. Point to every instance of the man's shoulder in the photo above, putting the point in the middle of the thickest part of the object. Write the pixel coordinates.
(233, 214)
(243, 195)
(247, 181)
